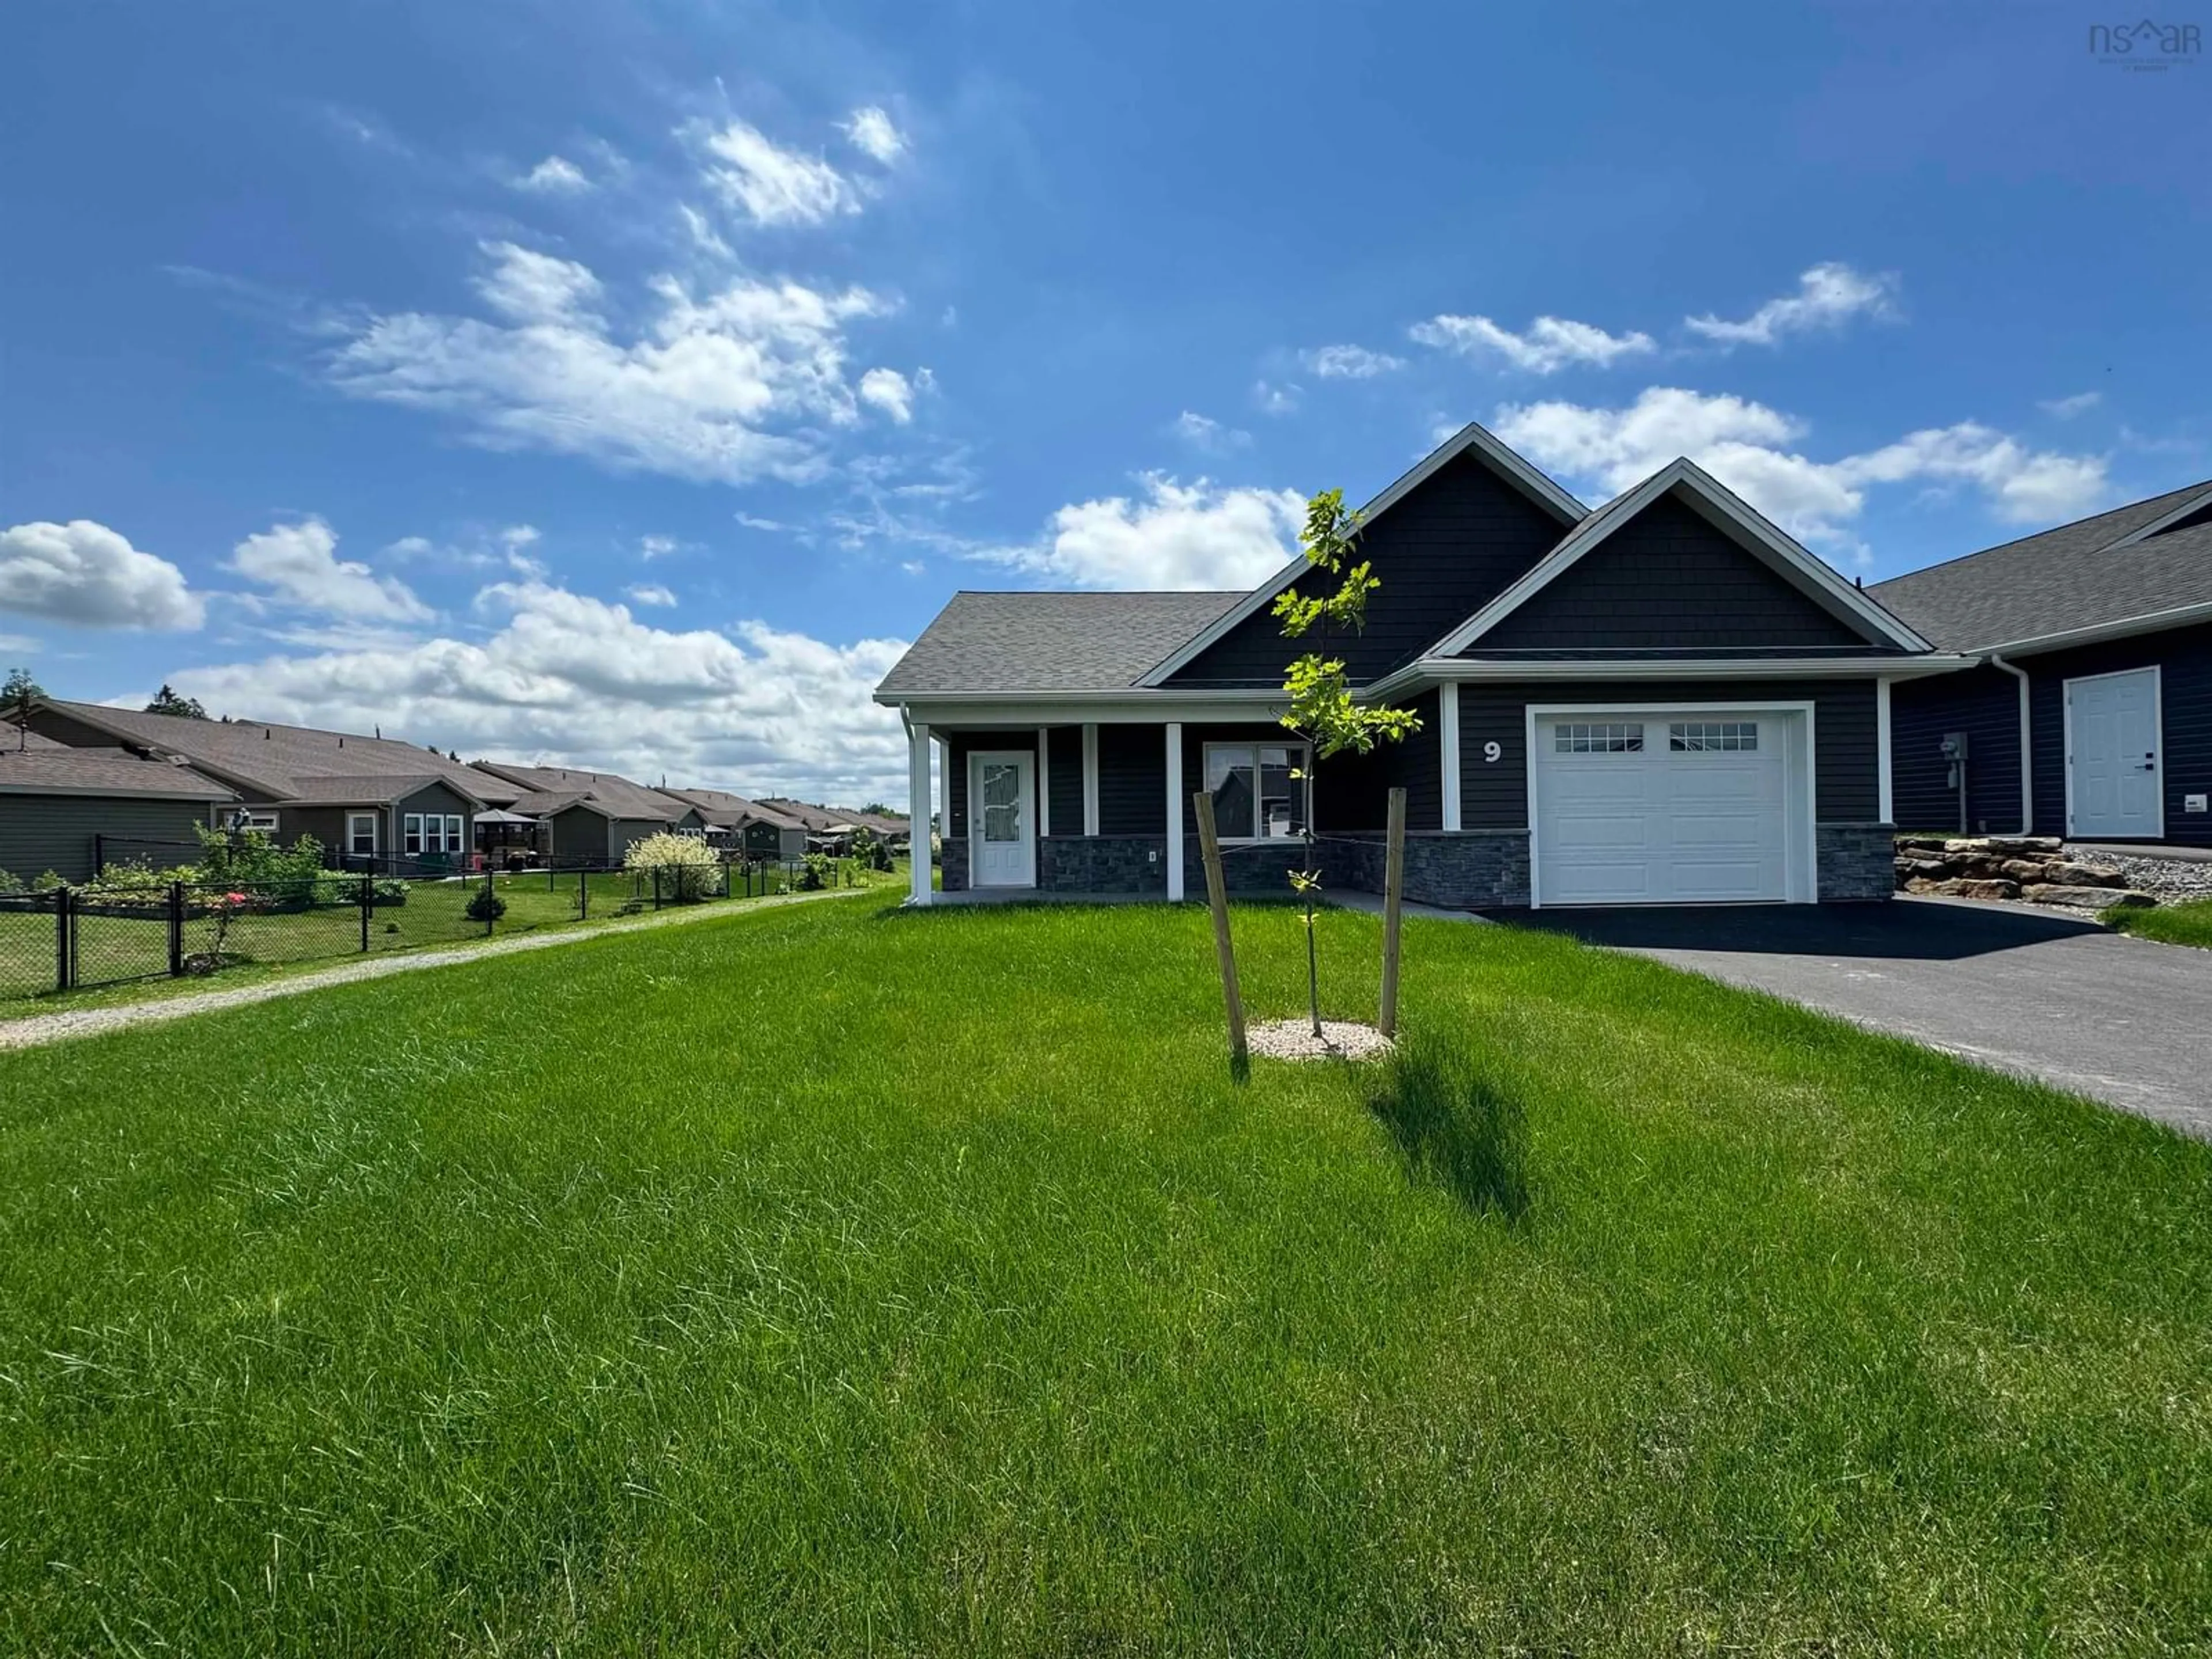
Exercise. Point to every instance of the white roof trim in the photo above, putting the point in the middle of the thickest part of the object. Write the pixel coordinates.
(1473, 435)
(1822, 581)
(2202, 499)
(1428, 670)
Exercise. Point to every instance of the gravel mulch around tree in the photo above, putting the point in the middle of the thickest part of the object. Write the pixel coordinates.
(1340, 1039)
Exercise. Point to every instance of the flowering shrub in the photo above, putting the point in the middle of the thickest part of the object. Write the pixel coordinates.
(689, 869)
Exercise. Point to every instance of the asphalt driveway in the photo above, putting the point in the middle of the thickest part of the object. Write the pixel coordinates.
(2120, 1019)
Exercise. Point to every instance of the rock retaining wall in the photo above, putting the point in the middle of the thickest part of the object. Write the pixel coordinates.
(2031, 867)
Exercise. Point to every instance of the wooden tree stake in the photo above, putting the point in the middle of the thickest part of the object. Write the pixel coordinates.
(1394, 898)
(1217, 898)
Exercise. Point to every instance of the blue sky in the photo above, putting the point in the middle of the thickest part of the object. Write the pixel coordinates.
(623, 385)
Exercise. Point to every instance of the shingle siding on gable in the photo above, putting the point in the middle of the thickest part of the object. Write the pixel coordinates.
(1666, 580)
(1441, 553)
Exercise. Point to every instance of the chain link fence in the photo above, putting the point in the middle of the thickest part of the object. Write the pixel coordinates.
(141, 928)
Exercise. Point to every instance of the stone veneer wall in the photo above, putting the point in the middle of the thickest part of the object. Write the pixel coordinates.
(1854, 860)
(952, 863)
(1103, 864)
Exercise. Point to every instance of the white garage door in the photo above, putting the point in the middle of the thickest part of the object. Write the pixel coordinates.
(1661, 809)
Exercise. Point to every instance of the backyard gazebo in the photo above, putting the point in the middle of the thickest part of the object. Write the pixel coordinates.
(502, 835)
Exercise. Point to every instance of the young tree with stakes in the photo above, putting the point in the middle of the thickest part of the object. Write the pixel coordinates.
(1323, 710)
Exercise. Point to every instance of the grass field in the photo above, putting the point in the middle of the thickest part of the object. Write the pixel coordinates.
(114, 949)
(2189, 923)
(837, 1278)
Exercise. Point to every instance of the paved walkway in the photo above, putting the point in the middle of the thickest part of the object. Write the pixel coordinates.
(2122, 1020)
(33, 1030)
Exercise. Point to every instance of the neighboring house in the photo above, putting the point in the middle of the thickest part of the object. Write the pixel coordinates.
(2093, 651)
(1666, 700)
(833, 828)
(59, 804)
(359, 796)
(751, 827)
(592, 818)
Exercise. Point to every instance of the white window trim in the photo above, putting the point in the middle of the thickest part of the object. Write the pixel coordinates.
(1091, 777)
(375, 840)
(410, 829)
(1801, 872)
(2158, 726)
(457, 832)
(265, 822)
(1253, 746)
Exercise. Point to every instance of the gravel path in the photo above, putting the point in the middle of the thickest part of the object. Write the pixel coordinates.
(36, 1028)
(2170, 881)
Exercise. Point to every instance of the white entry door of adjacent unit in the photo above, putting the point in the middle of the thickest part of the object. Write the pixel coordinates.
(1644, 808)
(2113, 780)
(1002, 816)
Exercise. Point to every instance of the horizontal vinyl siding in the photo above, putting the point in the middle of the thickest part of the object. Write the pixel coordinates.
(1983, 703)
(1416, 765)
(1065, 785)
(39, 833)
(1441, 554)
(1667, 581)
(1494, 795)
(2183, 657)
(1133, 780)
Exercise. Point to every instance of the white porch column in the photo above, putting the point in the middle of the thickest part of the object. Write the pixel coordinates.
(1175, 811)
(1044, 782)
(1881, 743)
(1447, 742)
(917, 806)
(1091, 778)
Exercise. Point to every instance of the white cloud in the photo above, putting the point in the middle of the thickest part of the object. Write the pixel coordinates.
(2066, 409)
(650, 548)
(299, 563)
(1207, 435)
(536, 287)
(872, 133)
(1549, 344)
(754, 521)
(1273, 399)
(1752, 449)
(913, 567)
(888, 390)
(568, 679)
(89, 576)
(770, 184)
(704, 236)
(1172, 535)
(556, 175)
(699, 391)
(1828, 296)
(1349, 362)
(650, 593)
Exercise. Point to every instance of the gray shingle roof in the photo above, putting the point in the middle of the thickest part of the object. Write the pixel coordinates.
(282, 762)
(1002, 642)
(2059, 580)
(617, 795)
(63, 770)
(374, 790)
(723, 810)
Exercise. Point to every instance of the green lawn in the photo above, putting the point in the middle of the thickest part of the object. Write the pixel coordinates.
(836, 1278)
(2189, 923)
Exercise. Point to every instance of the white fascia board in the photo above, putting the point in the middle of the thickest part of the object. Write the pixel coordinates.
(2196, 503)
(2150, 622)
(1466, 670)
(1503, 461)
(1706, 492)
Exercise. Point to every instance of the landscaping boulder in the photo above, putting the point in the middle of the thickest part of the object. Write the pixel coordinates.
(2087, 898)
(2082, 875)
(2000, 845)
(1964, 887)
(2025, 870)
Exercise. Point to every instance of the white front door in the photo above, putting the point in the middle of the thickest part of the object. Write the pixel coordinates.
(1637, 807)
(1001, 817)
(2113, 780)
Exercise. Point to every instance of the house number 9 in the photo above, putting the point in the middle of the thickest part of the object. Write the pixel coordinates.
(1493, 752)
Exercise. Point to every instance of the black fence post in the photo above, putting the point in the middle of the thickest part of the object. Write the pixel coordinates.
(99, 855)
(583, 896)
(62, 966)
(656, 887)
(368, 904)
(491, 904)
(176, 930)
